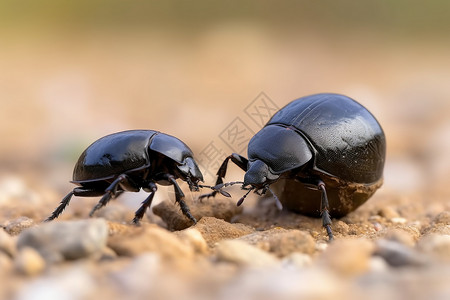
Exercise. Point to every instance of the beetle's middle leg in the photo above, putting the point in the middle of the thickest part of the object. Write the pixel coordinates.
(238, 160)
(316, 183)
(145, 204)
(324, 210)
(112, 191)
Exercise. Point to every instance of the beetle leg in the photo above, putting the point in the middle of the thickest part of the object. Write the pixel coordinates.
(79, 191)
(145, 204)
(324, 207)
(64, 202)
(110, 192)
(238, 160)
(179, 197)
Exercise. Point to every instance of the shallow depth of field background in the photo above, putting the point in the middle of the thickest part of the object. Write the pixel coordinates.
(73, 72)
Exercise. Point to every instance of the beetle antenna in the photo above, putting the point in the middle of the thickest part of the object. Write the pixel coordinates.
(222, 185)
(277, 200)
(243, 197)
(205, 186)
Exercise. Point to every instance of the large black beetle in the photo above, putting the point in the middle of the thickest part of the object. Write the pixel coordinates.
(325, 143)
(131, 160)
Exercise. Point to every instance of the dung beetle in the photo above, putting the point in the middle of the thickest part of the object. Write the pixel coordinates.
(131, 160)
(322, 143)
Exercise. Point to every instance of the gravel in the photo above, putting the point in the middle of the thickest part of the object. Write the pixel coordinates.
(255, 253)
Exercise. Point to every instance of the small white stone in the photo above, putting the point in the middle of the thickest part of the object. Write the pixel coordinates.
(398, 220)
(296, 260)
(436, 245)
(244, 254)
(378, 264)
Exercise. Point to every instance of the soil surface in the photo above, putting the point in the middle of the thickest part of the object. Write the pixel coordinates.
(391, 247)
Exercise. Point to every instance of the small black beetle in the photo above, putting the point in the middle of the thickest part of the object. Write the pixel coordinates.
(324, 142)
(131, 160)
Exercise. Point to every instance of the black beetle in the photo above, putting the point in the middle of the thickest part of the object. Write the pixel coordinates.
(324, 142)
(131, 160)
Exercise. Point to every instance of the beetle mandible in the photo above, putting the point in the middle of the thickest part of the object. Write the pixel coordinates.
(131, 160)
(325, 144)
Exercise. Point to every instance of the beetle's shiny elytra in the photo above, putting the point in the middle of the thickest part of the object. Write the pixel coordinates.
(131, 160)
(323, 153)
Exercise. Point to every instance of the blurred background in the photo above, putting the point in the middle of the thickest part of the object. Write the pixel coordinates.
(71, 72)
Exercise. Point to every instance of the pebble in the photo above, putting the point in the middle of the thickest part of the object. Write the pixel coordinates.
(171, 214)
(297, 260)
(6, 263)
(377, 226)
(397, 255)
(16, 226)
(401, 236)
(151, 238)
(321, 246)
(281, 242)
(244, 254)
(388, 212)
(285, 283)
(108, 254)
(436, 245)
(378, 264)
(115, 228)
(116, 213)
(437, 229)
(340, 227)
(348, 257)
(375, 218)
(442, 218)
(7, 243)
(398, 220)
(214, 230)
(29, 262)
(220, 208)
(133, 279)
(194, 239)
(14, 189)
(72, 284)
(57, 241)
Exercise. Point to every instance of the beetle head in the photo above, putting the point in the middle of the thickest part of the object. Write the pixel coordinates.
(190, 173)
(258, 175)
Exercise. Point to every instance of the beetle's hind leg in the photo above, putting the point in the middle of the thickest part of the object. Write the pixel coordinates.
(145, 204)
(78, 191)
(113, 191)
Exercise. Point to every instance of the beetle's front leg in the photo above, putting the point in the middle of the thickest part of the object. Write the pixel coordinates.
(238, 160)
(179, 197)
